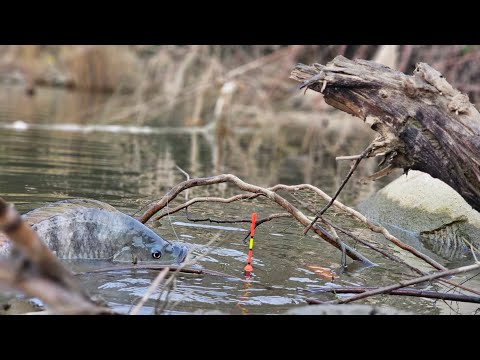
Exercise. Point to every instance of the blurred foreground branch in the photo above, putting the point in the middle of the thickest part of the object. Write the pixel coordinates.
(34, 270)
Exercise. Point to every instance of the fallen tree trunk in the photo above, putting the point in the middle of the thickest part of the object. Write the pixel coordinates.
(423, 122)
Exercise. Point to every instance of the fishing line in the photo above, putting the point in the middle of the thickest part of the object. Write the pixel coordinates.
(171, 224)
(186, 198)
(143, 207)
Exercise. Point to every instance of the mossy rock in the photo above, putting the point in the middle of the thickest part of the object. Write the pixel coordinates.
(427, 213)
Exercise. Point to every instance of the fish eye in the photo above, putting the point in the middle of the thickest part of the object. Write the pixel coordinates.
(157, 255)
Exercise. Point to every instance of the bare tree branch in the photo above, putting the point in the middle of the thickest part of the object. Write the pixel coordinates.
(297, 214)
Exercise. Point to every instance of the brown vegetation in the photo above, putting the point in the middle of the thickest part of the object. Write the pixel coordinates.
(187, 81)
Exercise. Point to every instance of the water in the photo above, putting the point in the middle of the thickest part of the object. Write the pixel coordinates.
(51, 151)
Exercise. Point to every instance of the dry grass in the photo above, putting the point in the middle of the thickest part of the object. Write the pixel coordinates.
(170, 84)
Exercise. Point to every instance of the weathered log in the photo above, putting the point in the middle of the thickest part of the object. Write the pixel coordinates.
(423, 122)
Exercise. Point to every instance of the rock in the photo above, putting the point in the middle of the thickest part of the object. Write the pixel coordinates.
(426, 212)
(15, 306)
(345, 309)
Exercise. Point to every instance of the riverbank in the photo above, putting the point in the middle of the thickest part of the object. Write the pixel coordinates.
(162, 79)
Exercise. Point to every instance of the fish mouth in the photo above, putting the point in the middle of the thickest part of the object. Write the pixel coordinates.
(183, 254)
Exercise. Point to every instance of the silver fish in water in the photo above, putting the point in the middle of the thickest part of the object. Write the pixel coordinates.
(90, 229)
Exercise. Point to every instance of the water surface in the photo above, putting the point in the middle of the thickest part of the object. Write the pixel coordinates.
(50, 150)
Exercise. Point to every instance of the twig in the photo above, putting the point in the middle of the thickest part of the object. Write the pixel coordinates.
(379, 174)
(397, 259)
(406, 283)
(187, 175)
(206, 199)
(358, 239)
(222, 200)
(384, 253)
(258, 222)
(153, 286)
(364, 154)
(401, 292)
(473, 249)
(463, 282)
(343, 260)
(348, 157)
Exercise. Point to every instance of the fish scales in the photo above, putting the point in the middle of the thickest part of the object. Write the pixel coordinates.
(89, 229)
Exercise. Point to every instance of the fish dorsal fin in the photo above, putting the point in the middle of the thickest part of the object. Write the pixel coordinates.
(64, 207)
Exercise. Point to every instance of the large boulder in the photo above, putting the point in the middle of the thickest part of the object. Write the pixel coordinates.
(426, 213)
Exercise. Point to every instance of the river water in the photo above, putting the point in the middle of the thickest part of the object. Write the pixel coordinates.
(52, 149)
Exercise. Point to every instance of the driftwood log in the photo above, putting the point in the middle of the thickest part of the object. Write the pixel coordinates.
(423, 122)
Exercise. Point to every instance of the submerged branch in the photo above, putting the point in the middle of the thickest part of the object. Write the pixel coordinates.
(366, 243)
(144, 267)
(174, 268)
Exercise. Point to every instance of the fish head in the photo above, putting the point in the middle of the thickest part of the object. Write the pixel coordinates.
(157, 251)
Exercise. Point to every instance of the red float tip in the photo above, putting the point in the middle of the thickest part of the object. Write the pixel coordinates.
(252, 227)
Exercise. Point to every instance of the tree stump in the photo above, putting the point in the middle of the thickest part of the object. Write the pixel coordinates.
(422, 121)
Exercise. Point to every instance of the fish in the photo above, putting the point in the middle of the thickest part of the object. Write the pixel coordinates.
(91, 229)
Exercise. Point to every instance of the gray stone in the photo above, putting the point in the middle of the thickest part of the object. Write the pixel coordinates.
(345, 309)
(425, 212)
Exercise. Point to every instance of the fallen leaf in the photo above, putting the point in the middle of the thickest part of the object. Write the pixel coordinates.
(325, 273)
